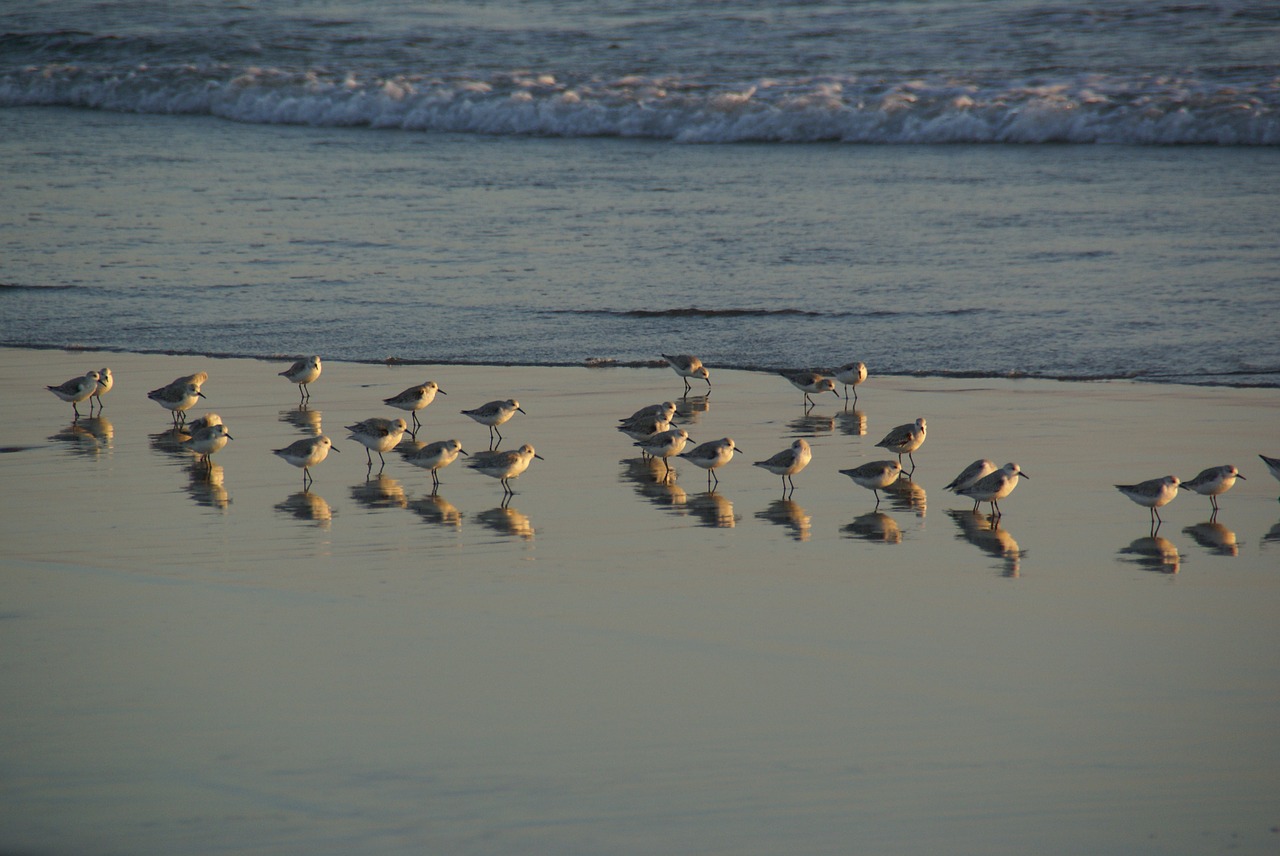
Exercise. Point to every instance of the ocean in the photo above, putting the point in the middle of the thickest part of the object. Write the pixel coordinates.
(1021, 189)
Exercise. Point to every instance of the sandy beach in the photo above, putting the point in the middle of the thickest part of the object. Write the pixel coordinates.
(228, 663)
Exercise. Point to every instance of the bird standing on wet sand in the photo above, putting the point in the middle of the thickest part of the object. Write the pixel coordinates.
(414, 399)
(504, 466)
(493, 414)
(665, 444)
(1273, 464)
(788, 462)
(994, 487)
(378, 435)
(905, 439)
(105, 381)
(1152, 493)
(811, 382)
(303, 372)
(851, 374)
(177, 399)
(712, 456)
(77, 390)
(206, 441)
(306, 453)
(1213, 482)
(875, 476)
(434, 457)
(969, 476)
(687, 366)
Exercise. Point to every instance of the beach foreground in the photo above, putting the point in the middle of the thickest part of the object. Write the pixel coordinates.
(225, 662)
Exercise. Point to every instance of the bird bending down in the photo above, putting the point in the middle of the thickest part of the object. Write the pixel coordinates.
(788, 462)
(687, 366)
(303, 372)
(905, 439)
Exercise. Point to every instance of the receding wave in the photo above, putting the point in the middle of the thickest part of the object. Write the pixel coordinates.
(699, 312)
(1232, 110)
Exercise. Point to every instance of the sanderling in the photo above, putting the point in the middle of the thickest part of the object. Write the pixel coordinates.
(970, 475)
(105, 381)
(206, 441)
(905, 439)
(1213, 482)
(811, 382)
(378, 435)
(711, 456)
(994, 487)
(306, 453)
(195, 426)
(665, 444)
(504, 465)
(667, 410)
(415, 398)
(493, 414)
(851, 374)
(1273, 464)
(645, 426)
(435, 456)
(177, 399)
(303, 372)
(77, 390)
(687, 366)
(1152, 493)
(788, 462)
(875, 476)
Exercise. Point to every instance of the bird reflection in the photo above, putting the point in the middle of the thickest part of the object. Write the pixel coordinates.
(712, 509)
(171, 442)
(506, 521)
(643, 470)
(88, 436)
(306, 505)
(1214, 537)
(1153, 553)
(304, 419)
(874, 526)
(1273, 534)
(788, 513)
(434, 508)
(811, 425)
(380, 491)
(689, 408)
(206, 485)
(985, 533)
(906, 495)
(852, 422)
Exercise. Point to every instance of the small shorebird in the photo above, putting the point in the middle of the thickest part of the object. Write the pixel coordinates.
(177, 399)
(645, 426)
(414, 399)
(434, 457)
(493, 414)
(811, 382)
(1213, 482)
(970, 475)
(105, 381)
(665, 444)
(875, 476)
(504, 466)
(306, 453)
(77, 390)
(994, 487)
(303, 372)
(197, 425)
(711, 456)
(905, 439)
(1273, 464)
(851, 374)
(687, 366)
(788, 462)
(667, 410)
(1153, 493)
(207, 440)
(378, 435)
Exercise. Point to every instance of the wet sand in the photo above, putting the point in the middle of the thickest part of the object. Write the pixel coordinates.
(614, 665)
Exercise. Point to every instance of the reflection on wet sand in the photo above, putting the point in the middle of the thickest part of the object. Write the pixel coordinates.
(690, 408)
(874, 526)
(434, 508)
(88, 436)
(712, 509)
(380, 491)
(306, 505)
(788, 513)
(983, 532)
(852, 422)
(1273, 534)
(906, 495)
(206, 485)
(1214, 537)
(506, 521)
(172, 442)
(304, 419)
(1153, 553)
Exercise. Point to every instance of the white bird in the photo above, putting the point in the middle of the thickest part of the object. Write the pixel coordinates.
(851, 374)
(307, 453)
(875, 476)
(667, 410)
(711, 456)
(1213, 482)
(665, 444)
(994, 487)
(905, 439)
(303, 372)
(645, 426)
(811, 382)
(1153, 493)
(687, 366)
(105, 381)
(434, 457)
(77, 390)
(177, 399)
(504, 465)
(788, 462)
(415, 398)
(493, 414)
(970, 475)
(197, 425)
(206, 441)
(378, 435)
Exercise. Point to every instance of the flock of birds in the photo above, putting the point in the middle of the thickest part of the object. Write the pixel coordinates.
(651, 429)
